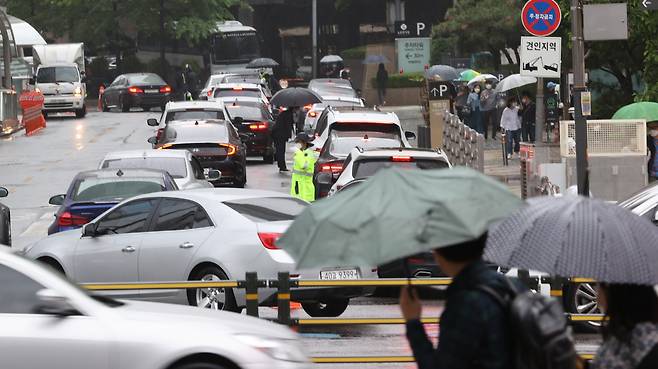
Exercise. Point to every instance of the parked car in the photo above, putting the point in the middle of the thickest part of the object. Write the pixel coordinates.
(254, 123)
(224, 90)
(338, 146)
(314, 111)
(205, 234)
(215, 143)
(185, 111)
(184, 168)
(93, 192)
(47, 322)
(5, 220)
(144, 90)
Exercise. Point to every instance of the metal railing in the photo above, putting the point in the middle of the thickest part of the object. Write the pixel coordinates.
(283, 285)
(463, 145)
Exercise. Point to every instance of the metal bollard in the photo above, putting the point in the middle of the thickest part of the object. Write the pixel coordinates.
(557, 284)
(283, 298)
(251, 293)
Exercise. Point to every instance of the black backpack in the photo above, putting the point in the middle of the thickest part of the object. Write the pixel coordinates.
(539, 332)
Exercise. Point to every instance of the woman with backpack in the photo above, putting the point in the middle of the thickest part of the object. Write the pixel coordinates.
(631, 332)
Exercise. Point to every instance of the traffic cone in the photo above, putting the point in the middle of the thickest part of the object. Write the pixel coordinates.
(101, 90)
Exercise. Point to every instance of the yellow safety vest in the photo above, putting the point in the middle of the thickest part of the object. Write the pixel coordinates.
(302, 175)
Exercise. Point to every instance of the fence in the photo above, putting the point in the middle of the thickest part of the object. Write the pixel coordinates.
(284, 284)
(463, 145)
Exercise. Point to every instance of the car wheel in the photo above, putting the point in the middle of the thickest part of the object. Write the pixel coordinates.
(212, 298)
(52, 264)
(146, 108)
(326, 309)
(124, 107)
(581, 298)
(200, 365)
(5, 237)
(268, 158)
(80, 113)
(104, 106)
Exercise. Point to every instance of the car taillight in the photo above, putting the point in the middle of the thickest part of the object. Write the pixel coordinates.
(67, 219)
(165, 89)
(135, 90)
(258, 126)
(332, 167)
(209, 93)
(268, 239)
(230, 149)
(312, 114)
(237, 88)
(307, 107)
(402, 159)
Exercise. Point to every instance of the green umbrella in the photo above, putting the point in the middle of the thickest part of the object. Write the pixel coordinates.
(468, 75)
(640, 110)
(397, 213)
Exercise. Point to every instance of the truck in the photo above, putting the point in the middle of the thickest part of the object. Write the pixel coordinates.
(60, 77)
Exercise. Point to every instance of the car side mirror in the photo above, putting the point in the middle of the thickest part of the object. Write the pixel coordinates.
(31, 81)
(152, 122)
(57, 200)
(655, 216)
(325, 178)
(363, 100)
(89, 230)
(238, 120)
(52, 302)
(410, 135)
(3, 192)
(213, 175)
(152, 140)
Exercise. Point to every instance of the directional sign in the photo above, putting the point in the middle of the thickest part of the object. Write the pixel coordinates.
(441, 90)
(413, 54)
(411, 29)
(541, 56)
(541, 17)
(650, 4)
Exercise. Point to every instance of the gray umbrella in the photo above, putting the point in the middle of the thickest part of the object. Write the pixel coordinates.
(575, 236)
(262, 63)
(445, 72)
(375, 59)
(331, 59)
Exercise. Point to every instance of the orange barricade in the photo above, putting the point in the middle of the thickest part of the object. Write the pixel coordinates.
(101, 90)
(32, 105)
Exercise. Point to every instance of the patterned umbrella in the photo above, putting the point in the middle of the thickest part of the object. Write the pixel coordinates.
(468, 75)
(575, 236)
(445, 72)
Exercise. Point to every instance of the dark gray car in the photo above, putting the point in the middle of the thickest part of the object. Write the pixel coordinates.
(5, 220)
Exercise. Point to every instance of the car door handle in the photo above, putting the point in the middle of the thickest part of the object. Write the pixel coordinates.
(128, 249)
(186, 245)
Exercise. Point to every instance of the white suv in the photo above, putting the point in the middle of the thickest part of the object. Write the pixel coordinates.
(185, 111)
(345, 116)
(361, 163)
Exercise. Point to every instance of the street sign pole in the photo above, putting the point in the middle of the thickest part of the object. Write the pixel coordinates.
(540, 116)
(579, 87)
(314, 36)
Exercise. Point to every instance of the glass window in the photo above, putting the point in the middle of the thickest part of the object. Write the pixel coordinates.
(235, 47)
(146, 79)
(268, 209)
(131, 217)
(176, 214)
(175, 166)
(194, 114)
(368, 167)
(322, 123)
(229, 92)
(18, 292)
(341, 145)
(247, 112)
(57, 74)
(197, 169)
(115, 189)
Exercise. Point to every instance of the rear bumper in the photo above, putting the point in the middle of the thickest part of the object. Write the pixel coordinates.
(259, 143)
(155, 100)
(396, 269)
(232, 169)
(321, 294)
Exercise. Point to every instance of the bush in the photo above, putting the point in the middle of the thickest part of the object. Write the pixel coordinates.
(358, 52)
(130, 64)
(402, 80)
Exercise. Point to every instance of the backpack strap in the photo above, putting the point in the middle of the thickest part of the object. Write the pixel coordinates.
(502, 300)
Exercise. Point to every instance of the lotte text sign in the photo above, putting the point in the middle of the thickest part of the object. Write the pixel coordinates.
(541, 17)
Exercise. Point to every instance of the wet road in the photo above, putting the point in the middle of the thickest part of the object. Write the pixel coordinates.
(35, 168)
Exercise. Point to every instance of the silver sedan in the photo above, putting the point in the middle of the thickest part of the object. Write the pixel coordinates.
(203, 234)
(49, 323)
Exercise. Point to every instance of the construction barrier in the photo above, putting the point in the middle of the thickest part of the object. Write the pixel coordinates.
(32, 104)
(101, 91)
(463, 145)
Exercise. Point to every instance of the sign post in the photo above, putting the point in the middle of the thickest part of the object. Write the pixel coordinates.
(412, 45)
(440, 96)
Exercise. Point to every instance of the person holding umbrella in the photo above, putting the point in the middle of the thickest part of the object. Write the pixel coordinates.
(510, 123)
(473, 102)
(382, 82)
(302, 169)
(527, 113)
(281, 133)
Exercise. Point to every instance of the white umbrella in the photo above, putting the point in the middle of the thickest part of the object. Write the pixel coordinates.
(514, 81)
(482, 78)
(331, 59)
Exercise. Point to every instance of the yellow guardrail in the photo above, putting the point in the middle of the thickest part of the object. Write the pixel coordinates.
(159, 285)
(386, 359)
(388, 282)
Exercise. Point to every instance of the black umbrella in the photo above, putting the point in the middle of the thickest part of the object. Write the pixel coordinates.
(262, 63)
(295, 96)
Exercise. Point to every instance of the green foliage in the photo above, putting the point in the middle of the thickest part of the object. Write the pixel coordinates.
(130, 64)
(442, 45)
(358, 52)
(402, 80)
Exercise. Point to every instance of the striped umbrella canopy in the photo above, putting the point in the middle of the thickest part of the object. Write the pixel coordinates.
(575, 236)
(468, 75)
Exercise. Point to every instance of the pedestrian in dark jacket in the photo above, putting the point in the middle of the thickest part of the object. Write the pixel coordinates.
(382, 82)
(281, 133)
(631, 331)
(527, 113)
(474, 331)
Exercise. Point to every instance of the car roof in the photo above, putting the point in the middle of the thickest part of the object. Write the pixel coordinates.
(244, 86)
(219, 194)
(209, 131)
(364, 115)
(229, 100)
(125, 173)
(328, 99)
(147, 154)
(198, 104)
(336, 81)
(386, 152)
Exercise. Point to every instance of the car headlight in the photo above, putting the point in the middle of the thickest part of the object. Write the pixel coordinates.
(77, 91)
(276, 348)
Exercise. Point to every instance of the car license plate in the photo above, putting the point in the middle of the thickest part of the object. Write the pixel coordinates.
(152, 91)
(335, 275)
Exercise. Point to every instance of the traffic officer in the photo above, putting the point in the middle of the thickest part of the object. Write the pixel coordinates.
(302, 169)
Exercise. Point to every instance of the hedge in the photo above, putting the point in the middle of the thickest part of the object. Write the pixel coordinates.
(358, 52)
(402, 80)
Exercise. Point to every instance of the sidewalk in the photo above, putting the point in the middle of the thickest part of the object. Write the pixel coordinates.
(493, 166)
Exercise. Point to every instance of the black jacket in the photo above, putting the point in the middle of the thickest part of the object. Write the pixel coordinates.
(283, 125)
(528, 113)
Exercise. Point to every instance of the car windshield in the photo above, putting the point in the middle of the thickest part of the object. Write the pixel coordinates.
(335, 91)
(343, 143)
(237, 92)
(368, 167)
(194, 114)
(339, 103)
(247, 112)
(145, 79)
(57, 74)
(114, 189)
(268, 209)
(176, 167)
(235, 47)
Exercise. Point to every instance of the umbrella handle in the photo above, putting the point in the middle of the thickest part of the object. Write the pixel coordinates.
(407, 272)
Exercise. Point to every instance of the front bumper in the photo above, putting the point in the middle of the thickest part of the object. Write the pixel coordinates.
(55, 103)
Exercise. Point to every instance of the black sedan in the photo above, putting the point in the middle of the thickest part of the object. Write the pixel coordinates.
(254, 123)
(5, 221)
(144, 90)
(215, 143)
